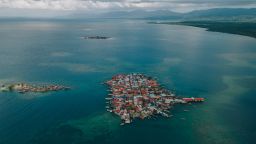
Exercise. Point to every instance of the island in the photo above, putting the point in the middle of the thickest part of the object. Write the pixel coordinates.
(96, 37)
(136, 95)
(25, 88)
(232, 27)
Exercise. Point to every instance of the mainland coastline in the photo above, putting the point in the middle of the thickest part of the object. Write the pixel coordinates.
(239, 28)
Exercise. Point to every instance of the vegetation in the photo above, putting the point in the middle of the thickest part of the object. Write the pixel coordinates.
(241, 28)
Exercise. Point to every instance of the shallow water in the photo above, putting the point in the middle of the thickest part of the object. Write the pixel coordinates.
(194, 62)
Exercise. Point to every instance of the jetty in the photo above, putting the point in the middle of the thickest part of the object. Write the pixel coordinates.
(139, 96)
(25, 88)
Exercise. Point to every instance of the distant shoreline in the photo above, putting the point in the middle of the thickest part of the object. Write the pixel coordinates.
(239, 28)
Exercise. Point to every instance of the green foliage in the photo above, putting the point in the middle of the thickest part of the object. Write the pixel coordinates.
(240, 28)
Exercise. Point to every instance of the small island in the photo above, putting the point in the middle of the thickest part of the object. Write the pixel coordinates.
(96, 37)
(136, 95)
(26, 88)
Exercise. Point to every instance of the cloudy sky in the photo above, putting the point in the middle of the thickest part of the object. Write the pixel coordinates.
(15, 7)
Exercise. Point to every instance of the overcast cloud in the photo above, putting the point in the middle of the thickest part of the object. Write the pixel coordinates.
(12, 6)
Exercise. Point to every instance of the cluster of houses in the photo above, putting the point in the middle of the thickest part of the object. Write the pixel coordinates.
(24, 88)
(138, 96)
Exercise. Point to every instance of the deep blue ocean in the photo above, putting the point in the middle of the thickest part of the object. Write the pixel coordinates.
(217, 66)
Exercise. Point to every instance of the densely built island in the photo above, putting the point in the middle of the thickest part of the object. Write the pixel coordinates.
(25, 88)
(139, 96)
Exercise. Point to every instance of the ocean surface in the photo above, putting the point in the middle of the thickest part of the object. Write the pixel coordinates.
(191, 61)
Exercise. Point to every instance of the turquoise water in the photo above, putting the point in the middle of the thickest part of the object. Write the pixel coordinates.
(220, 67)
